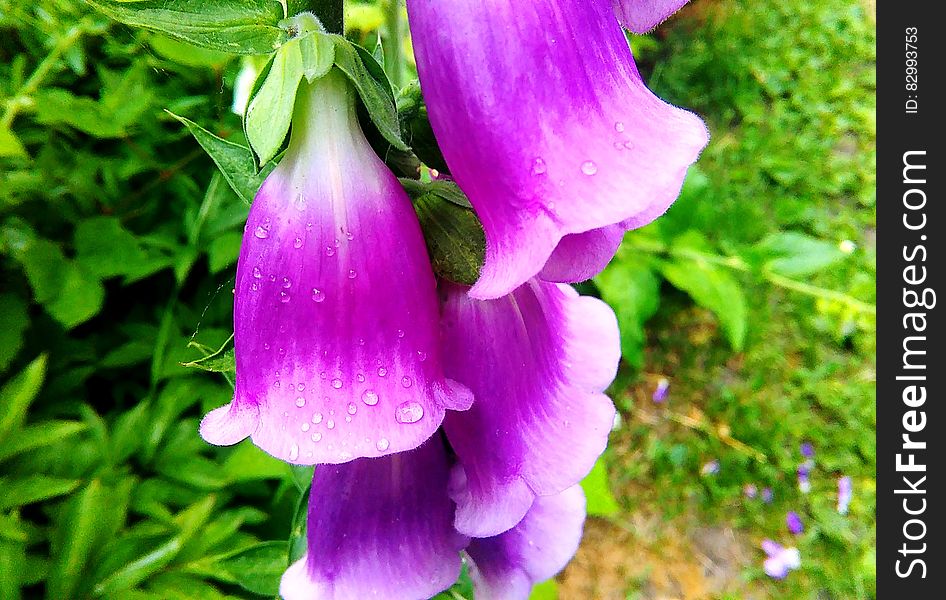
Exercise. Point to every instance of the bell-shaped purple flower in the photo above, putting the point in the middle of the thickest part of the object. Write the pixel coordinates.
(379, 528)
(549, 129)
(538, 361)
(336, 315)
(640, 16)
(505, 567)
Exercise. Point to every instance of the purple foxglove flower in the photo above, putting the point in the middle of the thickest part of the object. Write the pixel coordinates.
(767, 495)
(640, 16)
(710, 468)
(780, 560)
(660, 393)
(337, 351)
(793, 522)
(750, 490)
(538, 361)
(845, 493)
(505, 567)
(549, 129)
(379, 528)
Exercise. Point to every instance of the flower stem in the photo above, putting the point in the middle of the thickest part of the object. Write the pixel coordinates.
(393, 47)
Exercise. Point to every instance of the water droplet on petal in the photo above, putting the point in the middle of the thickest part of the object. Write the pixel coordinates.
(272, 278)
(316, 437)
(337, 383)
(352, 409)
(286, 282)
(352, 274)
(297, 244)
(330, 424)
(294, 452)
(257, 273)
(284, 297)
(369, 397)
(301, 387)
(619, 127)
(262, 234)
(407, 381)
(345, 455)
(300, 401)
(400, 333)
(589, 167)
(317, 295)
(618, 146)
(308, 226)
(538, 166)
(409, 412)
(300, 203)
(330, 251)
(317, 418)
(255, 287)
(421, 355)
(382, 445)
(382, 371)
(628, 144)
(360, 377)
(305, 426)
(348, 418)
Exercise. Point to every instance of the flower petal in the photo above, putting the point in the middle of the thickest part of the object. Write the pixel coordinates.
(379, 528)
(537, 361)
(336, 350)
(581, 256)
(640, 16)
(505, 567)
(546, 125)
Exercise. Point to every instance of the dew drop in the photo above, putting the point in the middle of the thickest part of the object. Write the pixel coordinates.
(272, 278)
(589, 167)
(294, 452)
(382, 371)
(257, 273)
(348, 418)
(286, 282)
(300, 203)
(400, 333)
(292, 387)
(383, 444)
(317, 418)
(352, 274)
(538, 166)
(421, 355)
(316, 437)
(369, 397)
(255, 287)
(352, 409)
(305, 426)
(345, 455)
(330, 251)
(337, 383)
(619, 127)
(297, 244)
(284, 297)
(308, 226)
(409, 412)
(275, 384)
(628, 144)
(318, 295)
(262, 234)
(407, 381)
(300, 401)
(360, 377)
(349, 236)
(618, 146)
(265, 346)
(301, 387)
(330, 424)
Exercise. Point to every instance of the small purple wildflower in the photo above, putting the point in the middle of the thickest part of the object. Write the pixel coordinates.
(793, 521)
(767, 495)
(807, 450)
(660, 393)
(750, 490)
(845, 489)
(710, 468)
(803, 483)
(780, 560)
(806, 467)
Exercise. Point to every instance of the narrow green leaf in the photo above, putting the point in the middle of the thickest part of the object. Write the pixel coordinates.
(78, 534)
(235, 161)
(33, 488)
(798, 255)
(245, 27)
(12, 568)
(9, 144)
(39, 435)
(372, 86)
(17, 394)
(270, 110)
(14, 321)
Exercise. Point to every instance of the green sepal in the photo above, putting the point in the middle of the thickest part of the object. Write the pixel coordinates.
(415, 125)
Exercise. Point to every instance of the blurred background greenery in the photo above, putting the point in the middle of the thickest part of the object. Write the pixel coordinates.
(752, 299)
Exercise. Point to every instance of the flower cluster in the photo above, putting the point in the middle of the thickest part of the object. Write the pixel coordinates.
(446, 418)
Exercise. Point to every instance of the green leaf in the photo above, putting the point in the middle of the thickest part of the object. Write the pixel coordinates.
(455, 239)
(14, 321)
(80, 299)
(716, 290)
(547, 590)
(372, 86)
(36, 436)
(259, 568)
(248, 463)
(598, 496)
(9, 144)
(17, 394)
(106, 249)
(33, 488)
(223, 251)
(245, 27)
(223, 360)
(188, 54)
(67, 292)
(78, 533)
(632, 289)
(235, 161)
(412, 114)
(269, 112)
(798, 255)
(12, 567)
